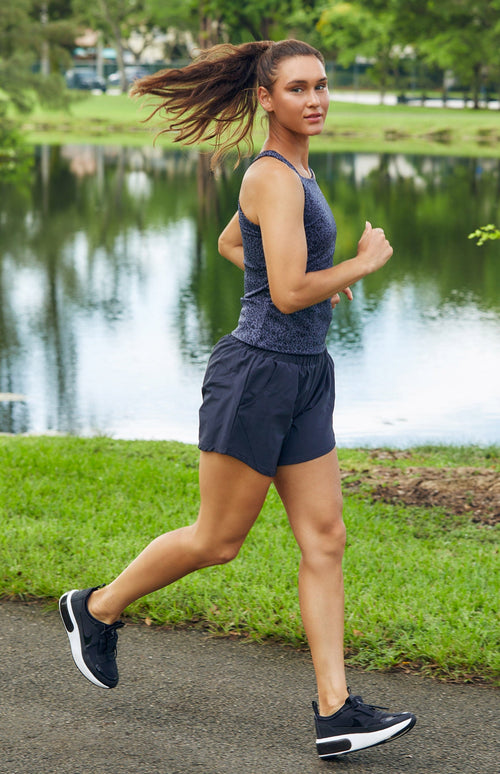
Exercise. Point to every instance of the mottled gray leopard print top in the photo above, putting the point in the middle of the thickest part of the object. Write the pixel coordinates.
(261, 324)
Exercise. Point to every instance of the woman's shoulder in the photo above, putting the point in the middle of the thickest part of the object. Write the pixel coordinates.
(269, 174)
(270, 187)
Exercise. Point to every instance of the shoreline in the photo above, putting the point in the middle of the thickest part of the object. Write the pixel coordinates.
(351, 127)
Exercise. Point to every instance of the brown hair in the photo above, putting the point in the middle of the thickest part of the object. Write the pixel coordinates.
(215, 97)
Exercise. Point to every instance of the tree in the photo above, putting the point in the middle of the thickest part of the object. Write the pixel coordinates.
(22, 36)
(459, 35)
(216, 21)
(238, 22)
(342, 27)
(57, 32)
(116, 19)
(29, 32)
(258, 20)
(352, 29)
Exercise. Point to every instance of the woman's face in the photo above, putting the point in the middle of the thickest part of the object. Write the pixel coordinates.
(299, 97)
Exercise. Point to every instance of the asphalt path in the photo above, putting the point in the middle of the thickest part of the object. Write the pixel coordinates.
(189, 703)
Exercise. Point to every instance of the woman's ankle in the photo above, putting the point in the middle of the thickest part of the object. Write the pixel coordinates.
(331, 704)
(96, 605)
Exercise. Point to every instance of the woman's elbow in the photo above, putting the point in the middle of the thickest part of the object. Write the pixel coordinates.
(286, 303)
(222, 245)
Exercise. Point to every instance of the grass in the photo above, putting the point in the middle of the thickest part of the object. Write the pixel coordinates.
(420, 588)
(116, 119)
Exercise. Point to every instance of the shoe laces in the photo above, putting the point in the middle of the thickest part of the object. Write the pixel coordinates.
(109, 638)
(358, 704)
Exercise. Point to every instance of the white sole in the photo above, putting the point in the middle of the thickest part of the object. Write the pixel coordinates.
(75, 642)
(347, 743)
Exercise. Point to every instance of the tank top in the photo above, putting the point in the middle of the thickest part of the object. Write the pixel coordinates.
(261, 323)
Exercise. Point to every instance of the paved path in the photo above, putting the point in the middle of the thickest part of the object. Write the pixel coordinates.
(188, 703)
(373, 98)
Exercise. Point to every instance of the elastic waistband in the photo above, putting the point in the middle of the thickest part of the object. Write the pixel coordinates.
(284, 357)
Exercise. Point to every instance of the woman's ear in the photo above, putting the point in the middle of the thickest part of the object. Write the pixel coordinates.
(265, 99)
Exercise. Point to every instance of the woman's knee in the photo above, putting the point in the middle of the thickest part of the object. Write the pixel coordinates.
(333, 539)
(222, 553)
(325, 542)
(213, 549)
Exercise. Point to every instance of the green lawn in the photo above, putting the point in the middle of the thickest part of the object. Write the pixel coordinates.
(421, 587)
(402, 128)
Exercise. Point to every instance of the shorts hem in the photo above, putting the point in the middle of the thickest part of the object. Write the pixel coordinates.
(309, 458)
(241, 457)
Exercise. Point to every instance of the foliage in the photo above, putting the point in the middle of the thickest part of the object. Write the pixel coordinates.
(463, 38)
(352, 29)
(342, 28)
(261, 19)
(485, 234)
(16, 159)
(21, 39)
(217, 21)
(115, 19)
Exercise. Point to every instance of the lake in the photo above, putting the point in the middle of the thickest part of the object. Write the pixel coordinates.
(112, 295)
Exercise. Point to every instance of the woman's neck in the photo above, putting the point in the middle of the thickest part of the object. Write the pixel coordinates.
(294, 148)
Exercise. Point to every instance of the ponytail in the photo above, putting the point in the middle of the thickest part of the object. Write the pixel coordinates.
(214, 99)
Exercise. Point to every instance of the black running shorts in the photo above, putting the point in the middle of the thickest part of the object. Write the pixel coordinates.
(267, 408)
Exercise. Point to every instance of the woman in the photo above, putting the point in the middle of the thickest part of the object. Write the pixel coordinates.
(268, 392)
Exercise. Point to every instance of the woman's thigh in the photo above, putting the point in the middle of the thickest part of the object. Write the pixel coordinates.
(312, 497)
(232, 495)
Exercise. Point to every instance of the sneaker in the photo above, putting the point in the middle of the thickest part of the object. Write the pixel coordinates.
(357, 725)
(93, 643)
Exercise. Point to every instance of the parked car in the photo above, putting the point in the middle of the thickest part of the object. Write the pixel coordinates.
(132, 73)
(85, 78)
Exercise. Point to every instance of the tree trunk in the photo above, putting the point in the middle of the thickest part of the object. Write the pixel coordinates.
(45, 53)
(120, 61)
(476, 85)
(265, 28)
(383, 84)
(210, 29)
(444, 90)
(99, 62)
(117, 37)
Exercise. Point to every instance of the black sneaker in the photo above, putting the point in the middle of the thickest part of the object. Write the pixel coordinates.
(357, 725)
(93, 643)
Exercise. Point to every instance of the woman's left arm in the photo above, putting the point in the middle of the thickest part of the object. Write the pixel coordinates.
(231, 244)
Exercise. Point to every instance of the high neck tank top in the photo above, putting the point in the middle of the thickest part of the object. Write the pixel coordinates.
(261, 323)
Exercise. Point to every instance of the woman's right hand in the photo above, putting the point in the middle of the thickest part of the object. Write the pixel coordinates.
(374, 248)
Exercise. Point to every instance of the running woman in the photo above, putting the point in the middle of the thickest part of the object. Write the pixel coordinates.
(268, 392)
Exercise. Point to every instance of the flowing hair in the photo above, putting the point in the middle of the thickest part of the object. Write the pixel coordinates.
(214, 99)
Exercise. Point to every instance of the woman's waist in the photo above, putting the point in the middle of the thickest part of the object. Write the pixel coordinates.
(263, 325)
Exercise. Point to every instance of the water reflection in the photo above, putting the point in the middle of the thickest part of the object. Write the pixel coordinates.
(112, 294)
